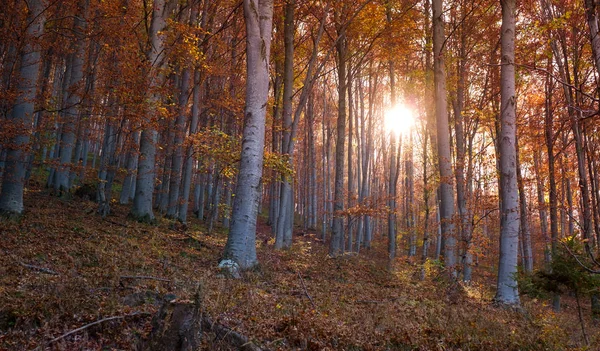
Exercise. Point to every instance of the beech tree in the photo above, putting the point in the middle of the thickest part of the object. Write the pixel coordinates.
(21, 115)
(507, 289)
(155, 56)
(240, 250)
(446, 191)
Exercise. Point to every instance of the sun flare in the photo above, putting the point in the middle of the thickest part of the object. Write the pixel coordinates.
(399, 119)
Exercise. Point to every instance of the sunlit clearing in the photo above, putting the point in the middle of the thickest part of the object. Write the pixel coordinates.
(399, 119)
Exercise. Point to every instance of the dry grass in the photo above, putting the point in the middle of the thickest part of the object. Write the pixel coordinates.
(358, 305)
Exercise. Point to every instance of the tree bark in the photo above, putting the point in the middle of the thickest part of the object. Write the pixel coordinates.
(15, 167)
(336, 246)
(524, 222)
(241, 246)
(71, 113)
(507, 291)
(446, 196)
(285, 222)
(142, 201)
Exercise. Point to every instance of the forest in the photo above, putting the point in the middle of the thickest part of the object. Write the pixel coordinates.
(299, 175)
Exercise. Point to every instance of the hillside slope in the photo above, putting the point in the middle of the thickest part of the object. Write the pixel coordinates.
(62, 267)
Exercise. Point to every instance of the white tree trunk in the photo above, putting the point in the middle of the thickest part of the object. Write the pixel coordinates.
(241, 245)
(507, 291)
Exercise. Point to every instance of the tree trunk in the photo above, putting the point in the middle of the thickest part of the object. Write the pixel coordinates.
(127, 192)
(350, 162)
(285, 221)
(177, 162)
(336, 246)
(592, 20)
(507, 291)
(446, 196)
(189, 155)
(241, 246)
(524, 222)
(542, 207)
(71, 113)
(142, 201)
(11, 195)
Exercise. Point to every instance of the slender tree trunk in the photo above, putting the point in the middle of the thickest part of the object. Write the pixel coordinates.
(71, 113)
(410, 197)
(142, 201)
(177, 162)
(336, 245)
(524, 222)
(285, 222)
(592, 20)
(427, 134)
(106, 162)
(275, 188)
(507, 290)
(542, 207)
(127, 192)
(312, 156)
(446, 196)
(325, 166)
(350, 161)
(189, 155)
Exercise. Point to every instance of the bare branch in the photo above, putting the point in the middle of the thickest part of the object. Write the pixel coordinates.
(39, 269)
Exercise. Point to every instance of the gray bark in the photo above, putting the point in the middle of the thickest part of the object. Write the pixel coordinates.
(507, 290)
(430, 118)
(189, 156)
(196, 101)
(285, 222)
(67, 140)
(394, 165)
(460, 145)
(127, 192)
(336, 244)
(142, 201)
(542, 207)
(527, 251)
(312, 165)
(106, 172)
(410, 198)
(200, 195)
(325, 168)
(177, 162)
(446, 196)
(241, 245)
(350, 162)
(15, 167)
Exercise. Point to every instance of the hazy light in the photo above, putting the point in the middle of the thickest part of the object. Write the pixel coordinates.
(399, 119)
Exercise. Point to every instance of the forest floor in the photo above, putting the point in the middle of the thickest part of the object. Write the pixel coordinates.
(63, 267)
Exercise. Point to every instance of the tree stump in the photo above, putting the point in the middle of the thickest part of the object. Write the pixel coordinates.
(177, 326)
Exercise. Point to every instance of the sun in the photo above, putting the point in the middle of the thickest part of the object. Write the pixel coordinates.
(399, 119)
